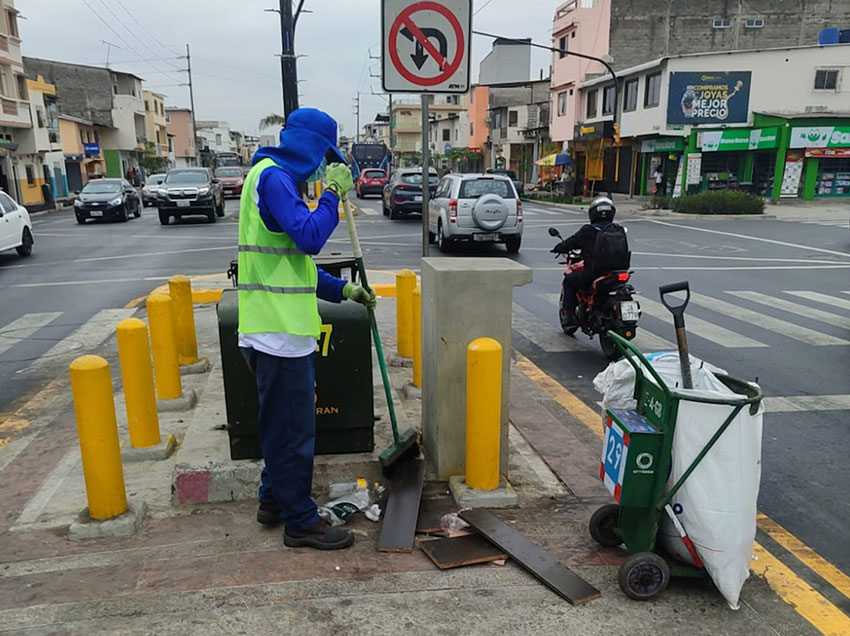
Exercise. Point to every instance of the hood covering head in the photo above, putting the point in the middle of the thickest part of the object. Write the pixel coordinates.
(308, 137)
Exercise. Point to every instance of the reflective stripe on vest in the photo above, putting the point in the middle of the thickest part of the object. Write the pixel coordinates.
(277, 281)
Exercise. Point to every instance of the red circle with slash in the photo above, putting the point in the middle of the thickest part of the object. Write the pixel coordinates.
(404, 20)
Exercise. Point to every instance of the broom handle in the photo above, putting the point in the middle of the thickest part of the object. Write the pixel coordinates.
(376, 337)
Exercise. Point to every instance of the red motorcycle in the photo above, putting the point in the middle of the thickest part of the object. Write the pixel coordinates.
(608, 305)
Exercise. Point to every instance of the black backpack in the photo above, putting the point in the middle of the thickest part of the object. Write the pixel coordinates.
(611, 251)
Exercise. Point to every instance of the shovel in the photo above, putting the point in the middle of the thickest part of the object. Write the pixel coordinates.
(678, 312)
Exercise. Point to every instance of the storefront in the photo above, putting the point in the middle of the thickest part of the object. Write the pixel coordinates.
(826, 156)
(659, 153)
(601, 164)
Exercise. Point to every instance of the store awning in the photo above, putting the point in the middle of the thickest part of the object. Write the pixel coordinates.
(555, 159)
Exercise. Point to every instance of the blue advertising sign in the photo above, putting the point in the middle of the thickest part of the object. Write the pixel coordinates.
(91, 149)
(709, 98)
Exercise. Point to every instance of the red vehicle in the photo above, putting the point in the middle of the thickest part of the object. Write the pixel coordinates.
(231, 178)
(371, 181)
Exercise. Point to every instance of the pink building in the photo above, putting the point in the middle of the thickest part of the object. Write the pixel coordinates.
(582, 26)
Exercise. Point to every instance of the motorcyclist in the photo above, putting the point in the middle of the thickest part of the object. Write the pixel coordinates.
(600, 213)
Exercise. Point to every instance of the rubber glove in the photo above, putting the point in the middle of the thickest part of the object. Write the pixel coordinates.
(358, 294)
(338, 179)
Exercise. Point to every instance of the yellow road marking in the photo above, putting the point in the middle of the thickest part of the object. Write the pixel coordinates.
(792, 589)
(811, 559)
(15, 421)
(805, 600)
(198, 295)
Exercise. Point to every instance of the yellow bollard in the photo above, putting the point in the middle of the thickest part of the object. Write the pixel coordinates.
(135, 356)
(483, 413)
(417, 336)
(163, 343)
(405, 281)
(180, 290)
(94, 408)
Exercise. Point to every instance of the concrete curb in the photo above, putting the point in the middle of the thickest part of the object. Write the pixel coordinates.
(53, 211)
(465, 497)
(395, 360)
(667, 214)
(201, 366)
(124, 525)
(185, 402)
(161, 451)
(412, 392)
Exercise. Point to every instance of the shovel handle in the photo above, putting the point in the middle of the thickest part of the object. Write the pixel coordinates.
(678, 311)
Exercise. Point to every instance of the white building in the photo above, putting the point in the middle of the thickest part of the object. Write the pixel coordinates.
(214, 138)
(41, 151)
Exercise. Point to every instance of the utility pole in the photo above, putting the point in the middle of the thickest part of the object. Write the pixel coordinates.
(192, 102)
(426, 186)
(288, 69)
(357, 112)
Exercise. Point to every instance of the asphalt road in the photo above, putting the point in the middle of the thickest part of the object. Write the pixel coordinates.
(752, 318)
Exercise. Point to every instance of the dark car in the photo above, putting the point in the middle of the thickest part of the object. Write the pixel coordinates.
(371, 181)
(510, 174)
(403, 194)
(107, 199)
(190, 192)
(232, 178)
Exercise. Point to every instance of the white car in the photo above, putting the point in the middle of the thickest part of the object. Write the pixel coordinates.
(15, 226)
(476, 208)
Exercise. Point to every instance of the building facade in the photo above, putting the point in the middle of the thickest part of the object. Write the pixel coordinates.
(181, 136)
(213, 138)
(518, 126)
(406, 116)
(15, 122)
(508, 61)
(44, 179)
(156, 126)
(81, 151)
(378, 130)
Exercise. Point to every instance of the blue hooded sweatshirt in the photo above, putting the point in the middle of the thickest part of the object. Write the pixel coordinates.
(309, 137)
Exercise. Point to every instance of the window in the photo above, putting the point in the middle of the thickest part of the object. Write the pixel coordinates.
(23, 93)
(721, 23)
(630, 100)
(563, 44)
(39, 116)
(591, 103)
(8, 204)
(826, 80)
(4, 83)
(147, 106)
(652, 92)
(30, 175)
(471, 128)
(115, 89)
(12, 19)
(754, 23)
(513, 117)
(218, 140)
(562, 104)
(447, 134)
(608, 99)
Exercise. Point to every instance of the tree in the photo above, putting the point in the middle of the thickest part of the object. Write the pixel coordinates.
(272, 120)
(152, 162)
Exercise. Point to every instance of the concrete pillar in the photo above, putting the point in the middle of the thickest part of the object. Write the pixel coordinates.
(462, 299)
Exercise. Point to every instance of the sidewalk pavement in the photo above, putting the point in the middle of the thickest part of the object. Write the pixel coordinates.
(210, 568)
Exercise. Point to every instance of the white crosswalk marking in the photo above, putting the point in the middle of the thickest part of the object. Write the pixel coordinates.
(549, 338)
(807, 403)
(782, 327)
(822, 298)
(368, 211)
(24, 327)
(801, 310)
(700, 327)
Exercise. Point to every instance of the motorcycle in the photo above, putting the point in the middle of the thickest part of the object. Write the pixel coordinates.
(608, 305)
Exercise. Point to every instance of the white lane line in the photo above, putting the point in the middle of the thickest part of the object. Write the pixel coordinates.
(77, 282)
(740, 258)
(822, 298)
(645, 340)
(368, 211)
(803, 334)
(22, 328)
(796, 404)
(715, 268)
(699, 327)
(801, 310)
(752, 238)
(122, 256)
(549, 338)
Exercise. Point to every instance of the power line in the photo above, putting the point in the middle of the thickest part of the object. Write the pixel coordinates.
(481, 8)
(152, 36)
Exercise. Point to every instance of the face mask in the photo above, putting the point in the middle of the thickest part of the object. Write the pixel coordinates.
(319, 172)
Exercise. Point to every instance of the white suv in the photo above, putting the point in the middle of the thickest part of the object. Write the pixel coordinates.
(476, 208)
(15, 226)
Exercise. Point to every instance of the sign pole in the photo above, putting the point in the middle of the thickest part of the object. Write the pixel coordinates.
(426, 190)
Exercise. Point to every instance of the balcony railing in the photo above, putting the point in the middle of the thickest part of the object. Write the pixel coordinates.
(10, 107)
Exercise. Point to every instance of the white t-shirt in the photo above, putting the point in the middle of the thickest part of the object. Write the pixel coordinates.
(279, 343)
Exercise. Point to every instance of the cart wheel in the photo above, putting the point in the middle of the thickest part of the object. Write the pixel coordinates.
(644, 576)
(603, 525)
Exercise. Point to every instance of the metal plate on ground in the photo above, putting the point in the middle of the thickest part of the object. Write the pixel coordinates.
(453, 552)
(399, 525)
(564, 582)
(430, 515)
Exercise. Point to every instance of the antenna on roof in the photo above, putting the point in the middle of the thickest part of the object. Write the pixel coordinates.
(109, 47)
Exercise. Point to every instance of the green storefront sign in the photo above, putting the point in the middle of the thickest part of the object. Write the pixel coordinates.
(739, 139)
(820, 137)
(663, 144)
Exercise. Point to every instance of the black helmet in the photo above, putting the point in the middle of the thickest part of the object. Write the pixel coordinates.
(602, 209)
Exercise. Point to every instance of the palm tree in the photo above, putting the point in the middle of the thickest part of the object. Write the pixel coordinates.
(272, 120)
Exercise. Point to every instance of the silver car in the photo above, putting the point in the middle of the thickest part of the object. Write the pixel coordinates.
(476, 208)
(151, 188)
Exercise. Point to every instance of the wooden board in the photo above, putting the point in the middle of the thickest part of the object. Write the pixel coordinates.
(430, 514)
(399, 526)
(457, 551)
(532, 557)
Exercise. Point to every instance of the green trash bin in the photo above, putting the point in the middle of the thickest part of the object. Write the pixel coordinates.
(344, 398)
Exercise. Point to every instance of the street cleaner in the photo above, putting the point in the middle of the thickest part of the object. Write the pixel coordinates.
(279, 322)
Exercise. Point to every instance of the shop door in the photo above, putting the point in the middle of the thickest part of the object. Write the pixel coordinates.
(75, 177)
(833, 178)
(763, 172)
(58, 181)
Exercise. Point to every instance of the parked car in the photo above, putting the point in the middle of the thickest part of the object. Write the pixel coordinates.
(107, 198)
(15, 226)
(518, 184)
(403, 193)
(150, 189)
(190, 192)
(476, 208)
(232, 178)
(370, 181)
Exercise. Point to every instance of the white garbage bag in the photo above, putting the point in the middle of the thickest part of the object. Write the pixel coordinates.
(717, 504)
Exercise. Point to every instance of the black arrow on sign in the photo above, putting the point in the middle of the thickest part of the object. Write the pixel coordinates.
(419, 55)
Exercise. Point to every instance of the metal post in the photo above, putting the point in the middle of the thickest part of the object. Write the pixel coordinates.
(180, 290)
(288, 69)
(135, 357)
(417, 337)
(405, 282)
(164, 345)
(192, 103)
(426, 193)
(483, 413)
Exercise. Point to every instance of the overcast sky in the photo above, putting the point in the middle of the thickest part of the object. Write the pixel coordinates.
(233, 45)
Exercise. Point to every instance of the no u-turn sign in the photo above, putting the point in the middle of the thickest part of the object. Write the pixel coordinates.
(426, 45)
